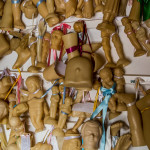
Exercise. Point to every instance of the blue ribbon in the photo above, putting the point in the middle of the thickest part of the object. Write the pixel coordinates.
(15, 1)
(39, 2)
(64, 95)
(40, 37)
(64, 113)
(49, 89)
(103, 107)
(82, 144)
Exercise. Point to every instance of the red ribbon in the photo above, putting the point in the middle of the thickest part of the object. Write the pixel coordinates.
(72, 49)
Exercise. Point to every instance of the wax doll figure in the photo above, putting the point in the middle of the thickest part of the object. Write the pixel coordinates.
(141, 35)
(65, 111)
(35, 102)
(132, 37)
(55, 98)
(91, 133)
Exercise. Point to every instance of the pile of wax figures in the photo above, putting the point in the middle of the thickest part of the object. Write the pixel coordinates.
(82, 70)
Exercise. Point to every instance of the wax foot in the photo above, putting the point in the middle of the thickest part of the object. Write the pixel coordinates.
(115, 128)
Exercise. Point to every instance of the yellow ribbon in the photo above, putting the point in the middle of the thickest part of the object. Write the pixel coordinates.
(145, 109)
(96, 98)
(14, 84)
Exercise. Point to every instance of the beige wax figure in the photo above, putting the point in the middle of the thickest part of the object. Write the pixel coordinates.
(42, 146)
(7, 18)
(141, 35)
(16, 125)
(1, 7)
(35, 102)
(5, 46)
(29, 9)
(122, 8)
(55, 98)
(134, 118)
(72, 142)
(42, 62)
(17, 18)
(65, 111)
(33, 50)
(78, 72)
(51, 19)
(132, 37)
(23, 52)
(143, 106)
(91, 133)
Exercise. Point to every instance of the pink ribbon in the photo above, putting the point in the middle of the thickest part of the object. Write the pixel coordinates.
(18, 89)
(54, 54)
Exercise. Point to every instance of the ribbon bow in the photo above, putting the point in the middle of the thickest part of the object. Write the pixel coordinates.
(103, 107)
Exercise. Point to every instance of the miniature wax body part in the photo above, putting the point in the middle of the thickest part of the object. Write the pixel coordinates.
(5, 85)
(91, 132)
(51, 19)
(33, 50)
(141, 35)
(6, 23)
(122, 8)
(16, 9)
(23, 53)
(35, 102)
(42, 146)
(135, 11)
(120, 87)
(1, 7)
(56, 39)
(99, 6)
(29, 9)
(124, 142)
(14, 43)
(114, 129)
(3, 110)
(71, 6)
(88, 9)
(134, 118)
(78, 72)
(144, 105)
(65, 111)
(53, 107)
(4, 46)
(132, 37)
(72, 142)
(44, 51)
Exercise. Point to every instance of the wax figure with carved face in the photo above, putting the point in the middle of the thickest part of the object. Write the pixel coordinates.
(91, 132)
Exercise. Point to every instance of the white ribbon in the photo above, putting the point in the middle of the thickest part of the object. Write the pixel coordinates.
(25, 142)
(71, 137)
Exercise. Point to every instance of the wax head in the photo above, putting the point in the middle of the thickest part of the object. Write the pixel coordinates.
(106, 74)
(33, 83)
(91, 132)
(135, 25)
(118, 72)
(56, 39)
(78, 26)
(72, 144)
(68, 101)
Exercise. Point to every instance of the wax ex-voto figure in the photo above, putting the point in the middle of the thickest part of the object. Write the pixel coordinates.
(72, 142)
(35, 102)
(91, 132)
